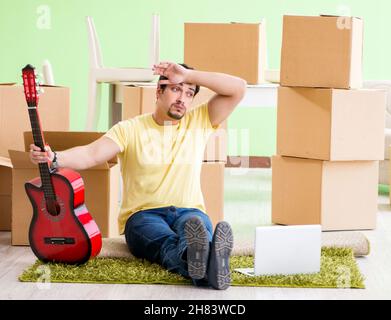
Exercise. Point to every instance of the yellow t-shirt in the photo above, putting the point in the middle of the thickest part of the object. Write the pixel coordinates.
(161, 165)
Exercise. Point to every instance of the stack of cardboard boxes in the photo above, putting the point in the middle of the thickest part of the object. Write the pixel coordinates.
(330, 132)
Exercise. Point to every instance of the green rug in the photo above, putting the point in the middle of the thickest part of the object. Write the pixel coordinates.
(338, 270)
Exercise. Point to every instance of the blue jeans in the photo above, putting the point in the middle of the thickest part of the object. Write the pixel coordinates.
(157, 235)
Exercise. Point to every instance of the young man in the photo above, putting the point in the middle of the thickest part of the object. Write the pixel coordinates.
(162, 212)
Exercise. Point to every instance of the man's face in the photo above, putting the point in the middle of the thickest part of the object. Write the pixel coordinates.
(176, 99)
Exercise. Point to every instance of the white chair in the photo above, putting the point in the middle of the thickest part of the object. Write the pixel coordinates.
(47, 73)
(384, 168)
(100, 74)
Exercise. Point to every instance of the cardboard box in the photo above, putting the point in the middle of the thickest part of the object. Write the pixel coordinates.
(337, 195)
(53, 108)
(138, 100)
(5, 193)
(212, 186)
(323, 51)
(101, 185)
(331, 124)
(238, 49)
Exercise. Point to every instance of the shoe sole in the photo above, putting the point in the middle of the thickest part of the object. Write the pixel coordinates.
(222, 246)
(197, 248)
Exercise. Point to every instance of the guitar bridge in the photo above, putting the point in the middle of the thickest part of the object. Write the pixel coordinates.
(59, 240)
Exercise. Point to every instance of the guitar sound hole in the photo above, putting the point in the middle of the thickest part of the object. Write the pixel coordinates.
(53, 208)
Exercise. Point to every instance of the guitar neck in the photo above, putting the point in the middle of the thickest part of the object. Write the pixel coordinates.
(40, 142)
(31, 94)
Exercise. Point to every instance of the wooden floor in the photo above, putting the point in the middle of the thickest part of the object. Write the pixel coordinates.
(376, 269)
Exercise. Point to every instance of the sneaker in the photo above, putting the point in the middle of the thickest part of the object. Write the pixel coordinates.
(219, 274)
(197, 247)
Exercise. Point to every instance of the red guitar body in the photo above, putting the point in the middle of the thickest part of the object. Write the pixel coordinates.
(71, 236)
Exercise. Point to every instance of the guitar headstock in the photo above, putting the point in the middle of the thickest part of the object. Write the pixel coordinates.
(31, 86)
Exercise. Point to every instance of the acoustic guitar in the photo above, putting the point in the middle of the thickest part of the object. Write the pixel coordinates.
(61, 230)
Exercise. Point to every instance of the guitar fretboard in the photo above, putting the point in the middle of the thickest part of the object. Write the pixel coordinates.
(39, 141)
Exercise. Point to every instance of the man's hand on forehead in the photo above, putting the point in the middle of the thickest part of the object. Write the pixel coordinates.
(174, 73)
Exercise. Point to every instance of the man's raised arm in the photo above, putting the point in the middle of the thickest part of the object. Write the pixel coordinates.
(229, 89)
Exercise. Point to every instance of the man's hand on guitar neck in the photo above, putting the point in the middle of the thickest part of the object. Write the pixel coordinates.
(37, 156)
(78, 158)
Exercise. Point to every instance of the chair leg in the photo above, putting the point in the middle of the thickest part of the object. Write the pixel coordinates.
(94, 94)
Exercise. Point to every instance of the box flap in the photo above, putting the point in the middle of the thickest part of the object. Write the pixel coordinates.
(5, 162)
(8, 84)
(52, 86)
(21, 160)
(62, 140)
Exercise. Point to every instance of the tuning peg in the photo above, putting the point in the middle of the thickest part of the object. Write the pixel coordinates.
(40, 91)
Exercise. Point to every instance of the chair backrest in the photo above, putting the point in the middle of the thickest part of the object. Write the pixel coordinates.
(47, 72)
(155, 40)
(385, 85)
(95, 50)
(94, 46)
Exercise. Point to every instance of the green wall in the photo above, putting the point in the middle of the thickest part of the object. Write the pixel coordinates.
(123, 27)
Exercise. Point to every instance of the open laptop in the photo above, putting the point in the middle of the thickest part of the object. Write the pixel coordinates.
(286, 250)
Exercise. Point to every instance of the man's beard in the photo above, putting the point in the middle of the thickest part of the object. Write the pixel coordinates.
(175, 115)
